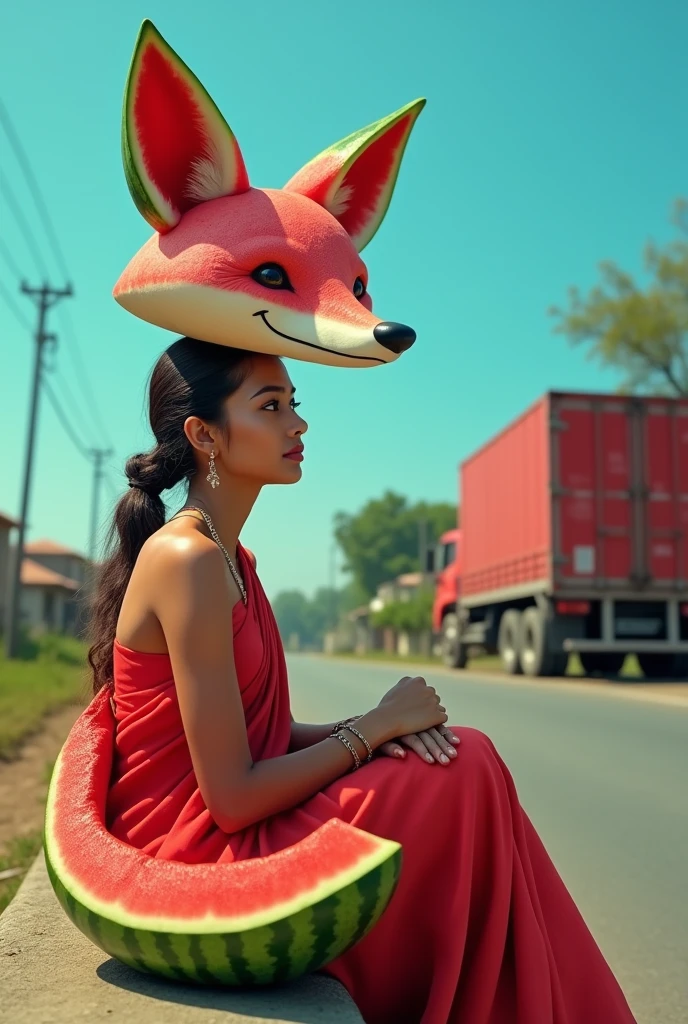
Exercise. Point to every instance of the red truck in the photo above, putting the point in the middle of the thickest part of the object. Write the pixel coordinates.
(573, 537)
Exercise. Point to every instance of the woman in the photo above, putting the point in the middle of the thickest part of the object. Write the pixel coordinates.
(211, 767)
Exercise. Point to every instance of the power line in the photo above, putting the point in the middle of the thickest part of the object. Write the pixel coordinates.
(86, 389)
(9, 260)
(82, 375)
(34, 189)
(23, 226)
(15, 309)
(66, 425)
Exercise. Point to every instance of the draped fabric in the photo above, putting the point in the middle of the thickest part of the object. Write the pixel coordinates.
(481, 929)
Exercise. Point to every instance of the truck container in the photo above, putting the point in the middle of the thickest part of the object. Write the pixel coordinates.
(573, 536)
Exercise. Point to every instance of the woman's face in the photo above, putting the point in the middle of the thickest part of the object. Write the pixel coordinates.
(263, 426)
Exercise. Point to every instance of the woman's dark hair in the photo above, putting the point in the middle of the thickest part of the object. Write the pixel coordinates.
(191, 378)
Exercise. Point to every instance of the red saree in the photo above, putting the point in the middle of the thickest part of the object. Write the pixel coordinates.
(481, 929)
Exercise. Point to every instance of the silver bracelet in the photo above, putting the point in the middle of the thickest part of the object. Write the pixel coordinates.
(350, 747)
(363, 740)
(341, 725)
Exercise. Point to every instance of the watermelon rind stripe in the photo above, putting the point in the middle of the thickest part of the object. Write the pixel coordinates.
(347, 921)
(281, 948)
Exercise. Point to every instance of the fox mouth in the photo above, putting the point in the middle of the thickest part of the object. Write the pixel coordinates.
(262, 313)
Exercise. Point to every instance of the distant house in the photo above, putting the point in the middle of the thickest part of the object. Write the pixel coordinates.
(53, 579)
(7, 524)
(52, 576)
(47, 599)
(59, 558)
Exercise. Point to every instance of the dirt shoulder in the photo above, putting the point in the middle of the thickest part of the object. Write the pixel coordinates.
(23, 781)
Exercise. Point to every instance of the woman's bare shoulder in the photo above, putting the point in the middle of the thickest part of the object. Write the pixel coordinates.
(181, 552)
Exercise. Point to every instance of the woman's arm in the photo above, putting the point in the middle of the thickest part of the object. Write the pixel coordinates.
(193, 599)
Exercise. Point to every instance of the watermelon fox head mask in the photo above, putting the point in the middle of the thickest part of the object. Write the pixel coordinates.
(276, 271)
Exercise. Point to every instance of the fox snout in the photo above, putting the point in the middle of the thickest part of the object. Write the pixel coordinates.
(397, 338)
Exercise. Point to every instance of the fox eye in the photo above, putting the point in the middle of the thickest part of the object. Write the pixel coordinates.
(359, 288)
(272, 276)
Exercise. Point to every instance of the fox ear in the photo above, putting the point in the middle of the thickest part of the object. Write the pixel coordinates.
(177, 148)
(355, 178)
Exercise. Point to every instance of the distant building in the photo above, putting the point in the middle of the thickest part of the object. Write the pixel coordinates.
(64, 574)
(47, 599)
(53, 579)
(59, 558)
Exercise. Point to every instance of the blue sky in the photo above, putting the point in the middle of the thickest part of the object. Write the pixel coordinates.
(554, 136)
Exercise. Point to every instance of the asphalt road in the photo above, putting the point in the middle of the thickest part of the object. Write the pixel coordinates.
(605, 782)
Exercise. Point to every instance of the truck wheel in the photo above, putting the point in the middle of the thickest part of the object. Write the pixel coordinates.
(454, 654)
(657, 666)
(536, 659)
(508, 641)
(607, 663)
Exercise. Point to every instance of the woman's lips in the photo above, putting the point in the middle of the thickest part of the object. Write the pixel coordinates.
(294, 456)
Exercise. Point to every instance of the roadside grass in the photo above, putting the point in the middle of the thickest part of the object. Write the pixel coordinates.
(49, 673)
(22, 850)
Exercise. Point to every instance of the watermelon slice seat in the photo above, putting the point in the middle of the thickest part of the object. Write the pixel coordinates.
(252, 922)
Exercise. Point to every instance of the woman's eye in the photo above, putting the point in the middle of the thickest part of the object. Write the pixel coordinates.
(275, 402)
(272, 275)
(359, 288)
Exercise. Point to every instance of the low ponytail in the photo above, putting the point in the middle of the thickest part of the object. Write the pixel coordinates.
(191, 378)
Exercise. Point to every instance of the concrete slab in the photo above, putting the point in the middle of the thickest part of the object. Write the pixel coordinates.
(52, 974)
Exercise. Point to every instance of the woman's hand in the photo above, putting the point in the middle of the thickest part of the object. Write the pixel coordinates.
(409, 707)
(431, 745)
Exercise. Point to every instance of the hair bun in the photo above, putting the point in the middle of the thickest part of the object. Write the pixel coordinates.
(145, 471)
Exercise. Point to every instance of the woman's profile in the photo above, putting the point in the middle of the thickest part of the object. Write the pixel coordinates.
(210, 766)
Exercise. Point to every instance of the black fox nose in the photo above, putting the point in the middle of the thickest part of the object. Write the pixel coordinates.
(396, 337)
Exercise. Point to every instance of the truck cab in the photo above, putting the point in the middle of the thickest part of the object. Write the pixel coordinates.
(447, 566)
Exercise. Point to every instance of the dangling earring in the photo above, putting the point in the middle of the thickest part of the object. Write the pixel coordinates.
(212, 476)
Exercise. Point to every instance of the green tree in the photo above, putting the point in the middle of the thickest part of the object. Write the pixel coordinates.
(642, 332)
(412, 616)
(381, 541)
(292, 612)
(324, 610)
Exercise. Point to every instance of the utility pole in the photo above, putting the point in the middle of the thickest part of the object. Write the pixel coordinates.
(333, 556)
(99, 455)
(45, 297)
(423, 546)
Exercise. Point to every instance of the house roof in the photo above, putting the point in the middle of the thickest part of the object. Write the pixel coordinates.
(35, 575)
(410, 579)
(8, 521)
(45, 546)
